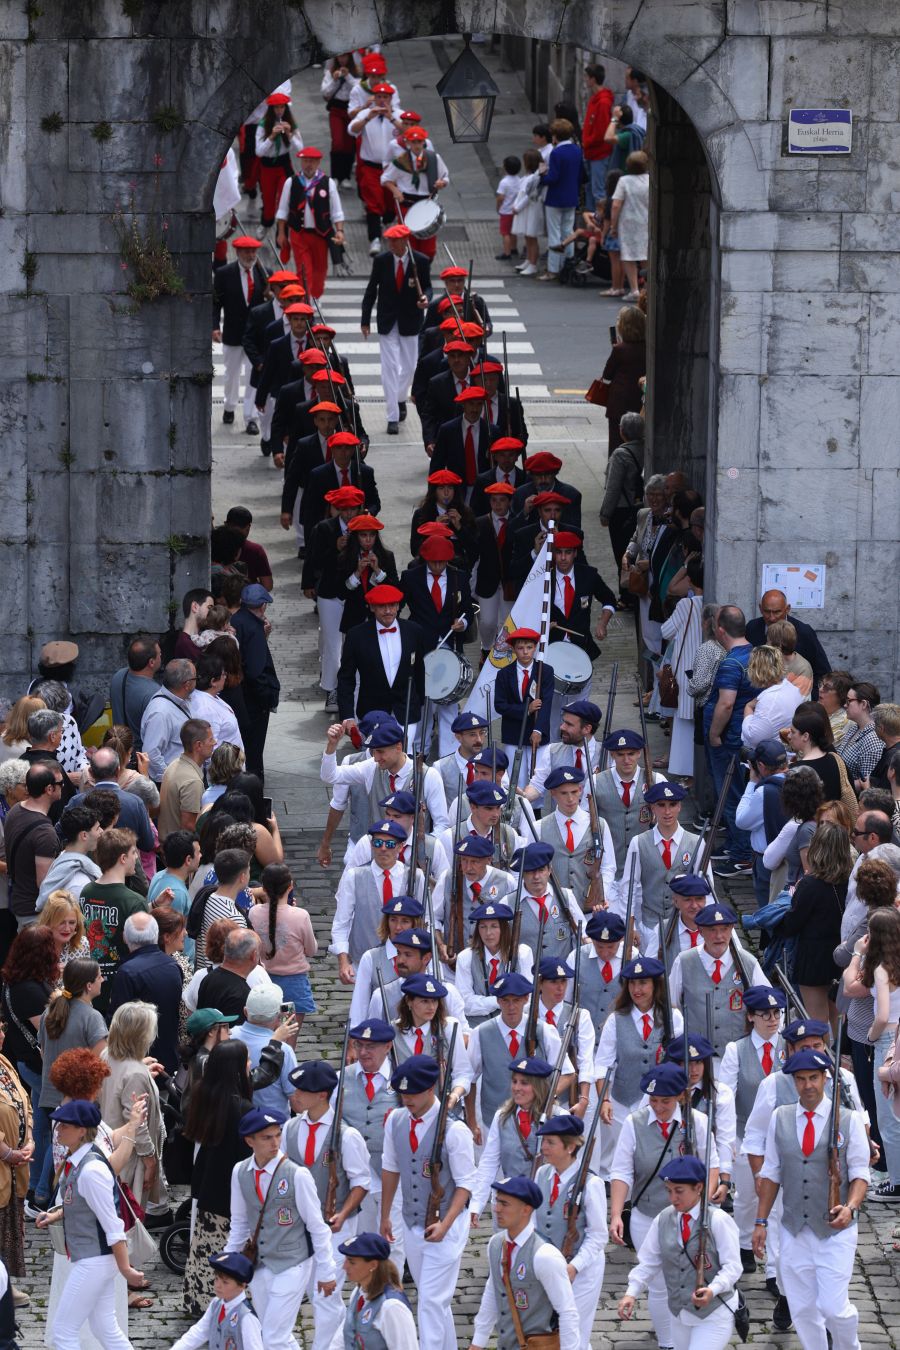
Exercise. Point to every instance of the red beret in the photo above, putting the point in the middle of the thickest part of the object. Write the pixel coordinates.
(471, 394)
(365, 522)
(408, 115)
(327, 376)
(415, 133)
(447, 300)
(310, 152)
(453, 271)
(345, 496)
(543, 462)
(457, 345)
(436, 549)
(487, 368)
(293, 290)
(325, 407)
(373, 63)
(281, 278)
(432, 527)
(322, 328)
(343, 438)
(566, 539)
(278, 100)
(527, 634)
(313, 357)
(500, 489)
(383, 88)
(397, 232)
(246, 241)
(545, 499)
(507, 443)
(297, 307)
(384, 595)
(444, 478)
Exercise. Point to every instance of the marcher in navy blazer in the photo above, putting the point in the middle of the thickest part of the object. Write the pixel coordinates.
(543, 468)
(437, 404)
(343, 446)
(283, 351)
(463, 444)
(363, 658)
(417, 585)
(234, 287)
(398, 276)
(508, 700)
(585, 584)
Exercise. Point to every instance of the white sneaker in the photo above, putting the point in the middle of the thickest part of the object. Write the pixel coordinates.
(374, 247)
(520, 265)
(529, 270)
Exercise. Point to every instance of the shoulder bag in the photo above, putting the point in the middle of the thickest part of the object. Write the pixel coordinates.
(250, 1248)
(848, 796)
(666, 677)
(598, 394)
(543, 1340)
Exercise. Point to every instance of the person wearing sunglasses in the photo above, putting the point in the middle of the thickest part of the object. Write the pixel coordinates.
(362, 893)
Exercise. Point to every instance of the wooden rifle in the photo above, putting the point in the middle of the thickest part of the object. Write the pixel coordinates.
(565, 1048)
(406, 712)
(457, 928)
(582, 1177)
(608, 715)
(334, 1141)
(573, 1016)
(668, 1028)
(690, 1142)
(467, 307)
(703, 1230)
(433, 1206)
(507, 808)
(432, 932)
(419, 779)
(531, 1025)
(710, 842)
(791, 993)
(628, 942)
(489, 716)
(517, 916)
(596, 897)
(646, 814)
(385, 1011)
(554, 882)
(834, 1128)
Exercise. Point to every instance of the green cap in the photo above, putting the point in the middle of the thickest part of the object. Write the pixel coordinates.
(200, 1021)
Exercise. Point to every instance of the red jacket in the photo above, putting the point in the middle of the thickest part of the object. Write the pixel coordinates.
(596, 120)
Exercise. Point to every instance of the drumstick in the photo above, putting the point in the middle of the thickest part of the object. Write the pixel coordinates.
(420, 294)
(571, 631)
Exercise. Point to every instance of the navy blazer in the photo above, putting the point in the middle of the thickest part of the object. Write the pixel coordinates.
(325, 478)
(228, 296)
(395, 308)
(570, 515)
(450, 450)
(589, 585)
(416, 586)
(362, 658)
(508, 702)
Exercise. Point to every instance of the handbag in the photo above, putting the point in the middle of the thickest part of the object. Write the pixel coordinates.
(250, 1248)
(598, 394)
(666, 677)
(542, 1340)
(637, 582)
(848, 796)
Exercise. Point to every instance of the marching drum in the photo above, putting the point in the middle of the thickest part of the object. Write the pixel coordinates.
(448, 676)
(571, 667)
(425, 218)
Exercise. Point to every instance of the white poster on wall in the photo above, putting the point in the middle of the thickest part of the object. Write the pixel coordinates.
(802, 583)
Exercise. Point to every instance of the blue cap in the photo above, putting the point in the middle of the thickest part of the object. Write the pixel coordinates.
(475, 845)
(807, 1059)
(713, 914)
(689, 1168)
(762, 998)
(666, 1080)
(415, 1074)
(391, 827)
(690, 884)
(623, 740)
(700, 1048)
(494, 909)
(370, 720)
(419, 938)
(423, 986)
(803, 1027)
(404, 802)
(233, 1264)
(404, 904)
(552, 969)
(564, 776)
(587, 711)
(511, 983)
(468, 721)
(536, 855)
(257, 1120)
(386, 733)
(255, 595)
(771, 753)
(531, 1064)
(664, 792)
(605, 925)
(367, 1246)
(564, 1125)
(483, 793)
(78, 1112)
(494, 757)
(642, 968)
(314, 1075)
(373, 1029)
(522, 1188)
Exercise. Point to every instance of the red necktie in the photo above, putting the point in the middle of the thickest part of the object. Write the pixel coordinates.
(68, 1169)
(399, 276)
(392, 779)
(401, 856)
(495, 966)
(436, 594)
(717, 972)
(767, 1058)
(695, 937)
(568, 595)
(809, 1134)
(508, 1256)
(258, 1172)
(570, 840)
(309, 1156)
(471, 471)
(541, 903)
(525, 679)
(420, 1042)
(664, 1128)
(578, 759)
(513, 1043)
(606, 972)
(298, 351)
(221, 1317)
(413, 1123)
(555, 1191)
(249, 287)
(360, 1303)
(626, 794)
(685, 1228)
(476, 889)
(387, 889)
(667, 854)
(370, 1086)
(551, 1017)
(470, 773)
(345, 478)
(507, 479)
(501, 536)
(364, 578)
(648, 1026)
(524, 1119)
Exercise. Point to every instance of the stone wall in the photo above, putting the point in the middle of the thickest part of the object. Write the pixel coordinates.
(105, 410)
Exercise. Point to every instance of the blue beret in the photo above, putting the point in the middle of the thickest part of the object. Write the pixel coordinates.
(257, 1120)
(314, 1075)
(522, 1189)
(391, 827)
(373, 1029)
(807, 1059)
(563, 776)
(689, 1168)
(700, 1048)
(413, 937)
(762, 997)
(234, 1264)
(415, 1074)
(78, 1112)
(642, 968)
(404, 904)
(664, 792)
(536, 855)
(475, 845)
(386, 733)
(552, 969)
(370, 720)
(423, 986)
(587, 711)
(623, 740)
(811, 1026)
(712, 914)
(255, 595)
(511, 982)
(483, 793)
(531, 1064)
(493, 910)
(404, 802)
(666, 1080)
(562, 1125)
(605, 926)
(368, 1246)
(468, 721)
(494, 757)
(690, 884)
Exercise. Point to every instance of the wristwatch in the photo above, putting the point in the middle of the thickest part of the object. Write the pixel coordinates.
(854, 1215)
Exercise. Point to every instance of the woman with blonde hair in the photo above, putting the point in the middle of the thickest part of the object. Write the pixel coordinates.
(62, 915)
(838, 812)
(131, 1033)
(377, 1301)
(14, 738)
(814, 918)
(226, 762)
(783, 635)
(774, 705)
(512, 1142)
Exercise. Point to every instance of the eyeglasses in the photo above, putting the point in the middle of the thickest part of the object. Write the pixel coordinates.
(860, 834)
(851, 698)
(826, 688)
(57, 783)
(384, 843)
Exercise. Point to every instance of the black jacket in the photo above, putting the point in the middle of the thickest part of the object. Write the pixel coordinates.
(450, 448)
(307, 455)
(356, 610)
(320, 564)
(493, 561)
(151, 976)
(808, 645)
(261, 685)
(362, 658)
(395, 308)
(481, 502)
(324, 479)
(464, 541)
(277, 364)
(434, 315)
(228, 296)
(508, 702)
(416, 587)
(255, 343)
(589, 586)
(571, 514)
(428, 365)
(437, 405)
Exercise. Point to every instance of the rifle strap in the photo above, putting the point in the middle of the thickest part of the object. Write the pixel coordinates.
(659, 1162)
(510, 1299)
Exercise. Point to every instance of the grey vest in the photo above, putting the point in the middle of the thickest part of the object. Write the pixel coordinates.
(495, 1062)
(85, 1235)
(649, 1197)
(366, 912)
(595, 995)
(360, 1331)
(624, 823)
(382, 965)
(552, 1221)
(678, 1263)
(536, 1312)
(634, 1058)
(283, 1239)
(415, 1170)
(729, 1015)
(750, 1075)
(558, 937)
(368, 1116)
(319, 1169)
(229, 1333)
(804, 1181)
(504, 842)
(448, 768)
(358, 801)
(380, 788)
(656, 901)
(571, 868)
(480, 967)
(516, 1153)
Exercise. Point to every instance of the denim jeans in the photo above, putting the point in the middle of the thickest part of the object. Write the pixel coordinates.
(862, 1055)
(598, 169)
(40, 1125)
(560, 222)
(888, 1124)
(761, 877)
(737, 840)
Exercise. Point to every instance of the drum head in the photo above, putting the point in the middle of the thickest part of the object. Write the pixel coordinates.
(571, 666)
(425, 218)
(442, 672)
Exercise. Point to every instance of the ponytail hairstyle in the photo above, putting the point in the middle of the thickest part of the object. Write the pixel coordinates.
(275, 880)
(77, 975)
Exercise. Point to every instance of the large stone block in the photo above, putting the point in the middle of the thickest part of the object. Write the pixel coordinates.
(189, 409)
(796, 271)
(739, 424)
(737, 503)
(14, 617)
(870, 272)
(885, 503)
(121, 424)
(807, 72)
(48, 423)
(885, 104)
(740, 334)
(109, 81)
(746, 271)
(873, 231)
(117, 342)
(13, 464)
(840, 577)
(776, 18)
(809, 420)
(883, 190)
(119, 589)
(814, 334)
(879, 417)
(876, 609)
(48, 586)
(796, 504)
(842, 191)
(801, 230)
(734, 570)
(794, 188)
(874, 17)
(739, 66)
(742, 184)
(884, 336)
(14, 311)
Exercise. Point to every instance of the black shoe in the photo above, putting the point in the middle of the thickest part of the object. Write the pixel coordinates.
(884, 1193)
(781, 1317)
(227, 417)
(301, 553)
(265, 447)
(748, 1261)
(772, 1287)
(393, 428)
(727, 868)
(252, 429)
(161, 1220)
(402, 412)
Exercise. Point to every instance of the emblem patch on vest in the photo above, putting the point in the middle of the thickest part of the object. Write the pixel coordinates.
(707, 1263)
(590, 857)
(685, 859)
(521, 1299)
(521, 1271)
(736, 978)
(283, 1186)
(67, 1198)
(426, 1170)
(736, 1001)
(285, 1218)
(230, 1343)
(367, 1313)
(660, 1054)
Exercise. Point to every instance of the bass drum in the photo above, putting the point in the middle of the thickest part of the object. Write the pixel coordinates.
(425, 218)
(448, 676)
(572, 667)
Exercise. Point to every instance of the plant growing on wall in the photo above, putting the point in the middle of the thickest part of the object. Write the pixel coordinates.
(145, 251)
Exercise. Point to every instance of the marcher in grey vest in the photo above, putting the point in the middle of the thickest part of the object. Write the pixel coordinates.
(625, 822)
(361, 1329)
(511, 1142)
(652, 899)
(283, 1239)
(492, 1056)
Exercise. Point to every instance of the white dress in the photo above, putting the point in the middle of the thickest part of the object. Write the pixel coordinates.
(682, 631)
(633, 191)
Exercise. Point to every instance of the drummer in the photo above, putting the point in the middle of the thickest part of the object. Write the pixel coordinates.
(440, 603)
(577, 586)
(413, 177)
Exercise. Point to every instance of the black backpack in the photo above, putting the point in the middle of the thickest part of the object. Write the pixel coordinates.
(194, 925)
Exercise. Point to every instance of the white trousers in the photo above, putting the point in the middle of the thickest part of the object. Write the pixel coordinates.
(745, 1210)
(369, 1221)
(494, 611)
(277, 1297)
(329, 1312)
(398, 363)
(525, 767)
(295, 519)
(712, 1332)
(330, 637)
(237, 368)
(657, 1298)
(586, 1290)
(560, 222)
(89, 1296)
(435, 1268)
(265, 418)
(444, 715)
(815, 1277)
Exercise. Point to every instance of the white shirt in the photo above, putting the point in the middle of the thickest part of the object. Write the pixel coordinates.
(365, 984)
(273, 149)
(584, 1037)
(653, 937)
(680, 863)
(729, 1066)
(307, 1202)
(485, 1005)
(761, 1115)
(374, 135)
(354, 1154)
(775, 709)
(363, 772)
(404, 179)
(461, 1069)
(552, 1043)
(258, 975)
(751, 965)
(623, 1159)
(851, 1125)
(214, 710)
(345, 896)
(444, 856)
(457, 1143)
(725, 1126)
(390, 648)
(453, 1003)
(95, 1186)
(359, 98)
(608, 1048)
(309, 222)
(574, 757)
(550, 1269)
(725, 1235)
